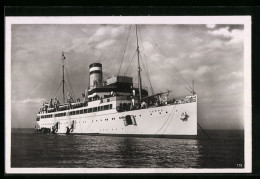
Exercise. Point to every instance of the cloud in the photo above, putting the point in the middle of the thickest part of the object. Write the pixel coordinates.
(211, 26)
(107, 32)
(157, 57)
(147, 46)
(221, 32)
(232, 76)
(234, 86)
(29, 100)
(100, 32)
(105, 43)
(234, 35)
(206, 69)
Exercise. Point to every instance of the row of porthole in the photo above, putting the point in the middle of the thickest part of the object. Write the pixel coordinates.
(134, 116)
(105, 119)
(156, 110)
(107, 129)
(159, 113)
(113, 118)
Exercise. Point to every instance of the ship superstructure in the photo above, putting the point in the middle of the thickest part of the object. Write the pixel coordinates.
(117, 106)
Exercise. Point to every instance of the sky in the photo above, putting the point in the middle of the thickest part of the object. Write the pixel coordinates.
(173, 55)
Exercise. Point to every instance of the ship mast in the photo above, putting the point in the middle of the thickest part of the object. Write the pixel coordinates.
(63, 93)
(139, 68)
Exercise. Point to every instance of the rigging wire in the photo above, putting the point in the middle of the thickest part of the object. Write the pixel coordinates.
(55, 81)
(68, 89)
(153, 87)
(102, 54)
(69, 81)
(157, 65)
(146, 65)
(124, 49)
(58, 88)
(106, 57)
(131, 63)
(178, 73)
(147, 75)
(110, 65)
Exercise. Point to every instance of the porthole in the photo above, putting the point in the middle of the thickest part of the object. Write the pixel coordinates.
(166, 112)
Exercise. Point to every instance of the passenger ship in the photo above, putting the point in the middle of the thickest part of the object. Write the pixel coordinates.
(117, 107)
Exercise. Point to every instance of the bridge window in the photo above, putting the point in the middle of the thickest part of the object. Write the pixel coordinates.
(94, 109)
(85, 110)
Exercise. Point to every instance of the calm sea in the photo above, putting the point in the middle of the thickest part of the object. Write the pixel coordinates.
(224, 150)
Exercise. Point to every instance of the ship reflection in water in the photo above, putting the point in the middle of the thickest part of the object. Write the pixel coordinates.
(226, 150)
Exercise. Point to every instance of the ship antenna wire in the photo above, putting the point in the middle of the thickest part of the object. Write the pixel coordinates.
(178, 73)
(124, 49)
(110, 65)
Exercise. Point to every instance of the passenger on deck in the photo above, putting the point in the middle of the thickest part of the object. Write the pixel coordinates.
(143, 105)
(51, 103)
(133, 92)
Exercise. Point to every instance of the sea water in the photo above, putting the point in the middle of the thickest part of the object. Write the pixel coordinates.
(225, 149)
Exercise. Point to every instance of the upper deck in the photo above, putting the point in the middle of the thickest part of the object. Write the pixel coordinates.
(116, 103)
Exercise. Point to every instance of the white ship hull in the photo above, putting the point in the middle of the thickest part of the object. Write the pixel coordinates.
(162, 120)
